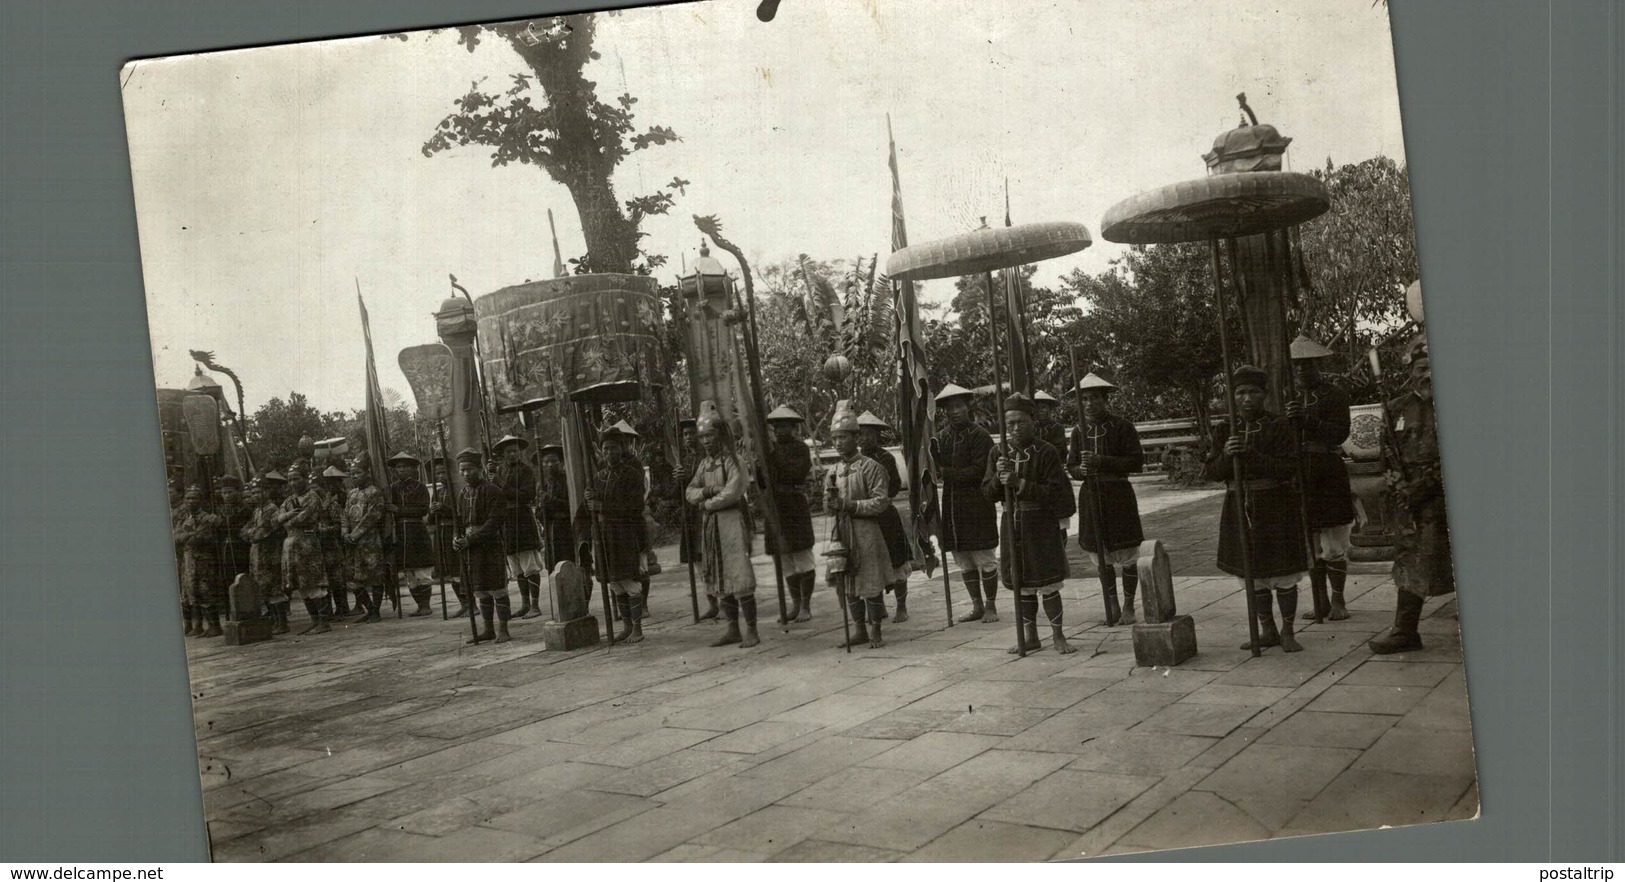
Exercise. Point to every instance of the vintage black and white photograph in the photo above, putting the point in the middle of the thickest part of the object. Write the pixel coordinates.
(836, 431)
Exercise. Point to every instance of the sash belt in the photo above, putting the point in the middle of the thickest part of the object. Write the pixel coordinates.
(1260, 484)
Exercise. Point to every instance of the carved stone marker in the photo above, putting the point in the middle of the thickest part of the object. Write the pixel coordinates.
(1165, 638)
(575, 628)
(244, 624)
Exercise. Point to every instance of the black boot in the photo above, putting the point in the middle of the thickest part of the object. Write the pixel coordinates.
(360, 607)
(901, 593)
(747, 611)
(339, 600)
(1267, 634)
(1403, 637)
(623, 608)
(279, 618)
(1131, 584)
(730, 607)
(1108, 590)
(1053, 612)
(421, 596)
(488, 613)
(194, 621)
(524, 596)
(711, 608)
(973, 587)
(376, 605)
(1337, 573)
(877, 612)
(535, 596)
(1319, 608)
(504, 612)
(312, 610)
(1287, 599)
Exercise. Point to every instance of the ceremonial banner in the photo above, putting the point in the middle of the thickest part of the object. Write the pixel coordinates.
(916, 409)
(377, 428)
(1015, 322)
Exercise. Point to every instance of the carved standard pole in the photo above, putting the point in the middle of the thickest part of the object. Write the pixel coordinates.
(456, 326)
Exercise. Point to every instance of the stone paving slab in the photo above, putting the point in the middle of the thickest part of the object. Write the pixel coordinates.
(401, 743)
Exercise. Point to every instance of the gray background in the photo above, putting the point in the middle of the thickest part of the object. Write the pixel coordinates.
(1513, 136)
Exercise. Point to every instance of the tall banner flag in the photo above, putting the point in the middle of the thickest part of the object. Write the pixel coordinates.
(916, 409)
(377, 427)
(1015, 318)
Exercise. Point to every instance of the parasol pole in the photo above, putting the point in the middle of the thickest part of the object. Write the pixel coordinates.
(1238, 470)
(1300, 467)
(942, 530)
(457, 530)
(1014, 553)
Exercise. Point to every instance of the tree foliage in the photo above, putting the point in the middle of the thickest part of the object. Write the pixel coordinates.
(552, 117)
(275, 429)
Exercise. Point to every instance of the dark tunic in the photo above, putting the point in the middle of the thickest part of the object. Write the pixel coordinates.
(1325, 426)
(1422, 564)
(967, 516)
(265, 536)
(438, 522)
(620, 518)
(792, 463)
(1043, 497)
(412, 548)
(891, 522)
(484, 510)
(1118, 444)
(1052, 432)
(553, 504)
(1272, 503)
(329, 525)
(518, 485)
(234, 547)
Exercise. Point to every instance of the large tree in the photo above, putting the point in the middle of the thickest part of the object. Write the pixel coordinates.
(552, 117)
(274, 430)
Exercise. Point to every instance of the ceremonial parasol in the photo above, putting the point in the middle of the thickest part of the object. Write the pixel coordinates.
(983, 251)
(1221, 206)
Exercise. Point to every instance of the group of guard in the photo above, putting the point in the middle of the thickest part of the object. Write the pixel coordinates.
(325, 536)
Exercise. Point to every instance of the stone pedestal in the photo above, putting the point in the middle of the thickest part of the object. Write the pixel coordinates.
(247, 631)
(568, 588)
(1165, 644)
(567, 636)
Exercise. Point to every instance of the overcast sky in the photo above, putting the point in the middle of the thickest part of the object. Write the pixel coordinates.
(268, 181)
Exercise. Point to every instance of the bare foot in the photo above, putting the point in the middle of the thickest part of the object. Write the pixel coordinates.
(990, 615)
(1290, 644)
(747, 642)
(804, 616)
(1265, 641)
(1061, 646)
(1339, 612)
(859, 638)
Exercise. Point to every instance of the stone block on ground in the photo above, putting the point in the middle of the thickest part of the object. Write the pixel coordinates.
(1166, 644)
(570, 635)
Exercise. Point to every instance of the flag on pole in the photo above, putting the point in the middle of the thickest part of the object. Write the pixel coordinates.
(1015, 318)
(376, 425)
(916, 409)
(575, 436)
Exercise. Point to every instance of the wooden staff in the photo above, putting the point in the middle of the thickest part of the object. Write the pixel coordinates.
(457, 530)
(1013, 555)
(844, 580)
(540, 524)
(1238, 468)
(1108, 593)
(599, 547)
(1300, 467)
(942, 533)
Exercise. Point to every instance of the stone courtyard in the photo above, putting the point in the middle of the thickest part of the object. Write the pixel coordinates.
(396, 742)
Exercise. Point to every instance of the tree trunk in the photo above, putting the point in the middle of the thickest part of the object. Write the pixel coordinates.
(612, 245)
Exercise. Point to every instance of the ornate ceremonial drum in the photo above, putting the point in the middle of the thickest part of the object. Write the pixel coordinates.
(588, 339)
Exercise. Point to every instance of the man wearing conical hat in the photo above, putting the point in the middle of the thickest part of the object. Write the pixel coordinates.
(1320, 413)
(1105, 450)
(1046, 426)
(856, 495)
(1030, 534)
(521, 540)
(969, 528)
(484, 511)
(870, 429)
(265, 537)
(1262, 445)
(717, 491)
(304, 566)
(408, 500)
(792, 464)
(616, 502)
(199, 533)
(1423, 566)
